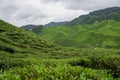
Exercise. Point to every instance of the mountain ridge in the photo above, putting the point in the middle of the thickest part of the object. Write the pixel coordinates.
(103, 24)
(98, 15)
(98, 34)
(55, 24)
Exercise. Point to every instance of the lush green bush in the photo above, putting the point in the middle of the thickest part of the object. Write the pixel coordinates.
(111, 63)
(52, 70)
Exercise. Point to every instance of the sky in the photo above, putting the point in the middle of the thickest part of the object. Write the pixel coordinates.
(23, 12)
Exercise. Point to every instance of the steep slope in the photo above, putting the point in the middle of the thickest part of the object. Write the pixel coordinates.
(105, 34)
(99, 15)
(55, 32)
(16, 40)
(18, 43)
(99, 34)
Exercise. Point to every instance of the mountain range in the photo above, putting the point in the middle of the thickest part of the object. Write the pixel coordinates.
(102, 31)
(86, 48)
(97, 29)
(98, 15)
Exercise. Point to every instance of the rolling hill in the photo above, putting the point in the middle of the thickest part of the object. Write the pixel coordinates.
(37, 28)
(99, 15)
(97, 29)
(19, 43)
(16, 40)
(94, 54)
(99, 34)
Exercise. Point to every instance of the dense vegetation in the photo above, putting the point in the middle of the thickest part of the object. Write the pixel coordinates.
(103, 34)
(97, 29)
(92, 64)
(23, 57)
(91, 52)
(99, 15)
(15, 40)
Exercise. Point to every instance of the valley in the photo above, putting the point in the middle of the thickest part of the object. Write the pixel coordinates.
(66, 51)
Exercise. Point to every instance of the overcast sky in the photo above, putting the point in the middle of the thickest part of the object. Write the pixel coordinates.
(22, 12)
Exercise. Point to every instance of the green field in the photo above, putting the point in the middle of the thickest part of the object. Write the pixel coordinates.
(94, 65)
(103, 34)
(79, 52)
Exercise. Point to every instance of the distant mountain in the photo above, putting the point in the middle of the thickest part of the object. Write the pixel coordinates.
(38, 28)
(99, 34)
(29, 27)
(99, 28)
(55, 24)
(99, 15)
(33, 28)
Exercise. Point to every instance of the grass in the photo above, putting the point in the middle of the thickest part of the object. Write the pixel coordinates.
(79, 64)
(60, 69)
(15, 40)
(99, 34)
(25, 56)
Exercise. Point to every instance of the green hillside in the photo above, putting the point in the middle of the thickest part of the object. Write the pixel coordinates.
(76, 52)
(99, 34)
(15, 40)
(97, 29)
(99, 15)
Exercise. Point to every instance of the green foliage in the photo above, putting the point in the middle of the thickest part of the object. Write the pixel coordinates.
(111, 63)
(104, 34)
(94, 54)
(84, 63)
(51, 70)
(112, 13)
(16, 40)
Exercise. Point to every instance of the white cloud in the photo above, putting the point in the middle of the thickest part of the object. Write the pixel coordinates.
(22, 12)
(90, 4)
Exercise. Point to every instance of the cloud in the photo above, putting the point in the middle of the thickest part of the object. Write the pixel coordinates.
(50, 1)
(31, 13)
(22, 12)
(90, 4)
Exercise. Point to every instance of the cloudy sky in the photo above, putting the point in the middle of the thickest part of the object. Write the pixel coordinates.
(22, 12)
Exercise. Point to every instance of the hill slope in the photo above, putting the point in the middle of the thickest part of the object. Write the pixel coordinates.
(98, 34)
(16, 40)
(99, 15)
(19, 43)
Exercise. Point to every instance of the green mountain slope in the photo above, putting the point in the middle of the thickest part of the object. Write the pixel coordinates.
(97, 29)
(19, 43)
(15, 40)
(99, 15)
(98, 34)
